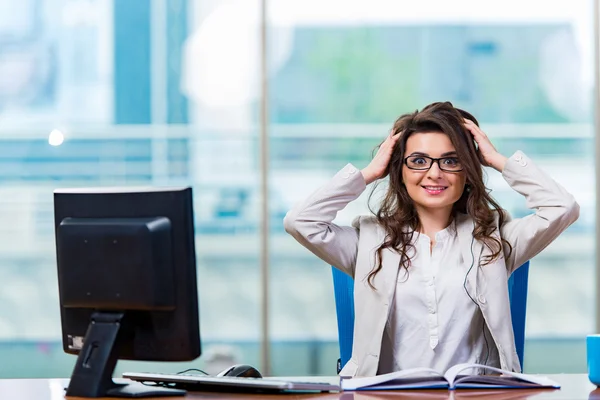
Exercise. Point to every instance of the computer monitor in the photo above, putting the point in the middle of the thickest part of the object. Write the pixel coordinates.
(127, 283)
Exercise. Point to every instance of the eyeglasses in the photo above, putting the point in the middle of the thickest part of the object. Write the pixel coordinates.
(424, 163)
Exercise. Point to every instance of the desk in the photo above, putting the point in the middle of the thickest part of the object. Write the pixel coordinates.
(574, 387)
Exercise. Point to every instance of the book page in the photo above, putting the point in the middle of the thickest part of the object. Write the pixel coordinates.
(503, 379)
(409, 376)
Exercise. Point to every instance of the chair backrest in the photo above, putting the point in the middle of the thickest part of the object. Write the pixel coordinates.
(343, 286)
(517, 294)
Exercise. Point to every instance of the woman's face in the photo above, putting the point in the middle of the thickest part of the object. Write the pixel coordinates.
(432, 189)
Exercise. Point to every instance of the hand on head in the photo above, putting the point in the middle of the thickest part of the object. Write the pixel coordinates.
(488, 154)
(378, 167)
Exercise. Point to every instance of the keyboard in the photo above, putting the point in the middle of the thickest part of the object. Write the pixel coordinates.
(194, 382)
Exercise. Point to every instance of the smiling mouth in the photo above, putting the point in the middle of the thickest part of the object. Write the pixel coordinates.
(434, 189)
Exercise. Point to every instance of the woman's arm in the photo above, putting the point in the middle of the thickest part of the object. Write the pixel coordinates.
(310, 222)
(555, 209)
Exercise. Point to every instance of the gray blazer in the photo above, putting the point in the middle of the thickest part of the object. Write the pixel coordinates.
(352, 250)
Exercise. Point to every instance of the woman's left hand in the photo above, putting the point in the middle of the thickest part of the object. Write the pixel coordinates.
(488, 152)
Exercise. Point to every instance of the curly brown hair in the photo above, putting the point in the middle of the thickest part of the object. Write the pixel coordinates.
(397, 213)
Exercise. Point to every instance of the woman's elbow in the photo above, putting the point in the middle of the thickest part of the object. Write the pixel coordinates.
(290, 223)
(571, 211)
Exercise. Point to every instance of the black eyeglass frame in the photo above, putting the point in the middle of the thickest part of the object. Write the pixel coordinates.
(433, 160)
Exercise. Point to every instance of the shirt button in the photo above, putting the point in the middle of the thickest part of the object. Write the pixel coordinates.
(523, 163)
(518, 157)
(346, 176)
(481, 299)
(352, 170)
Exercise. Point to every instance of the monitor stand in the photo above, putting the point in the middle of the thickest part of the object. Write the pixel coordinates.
(92, 375)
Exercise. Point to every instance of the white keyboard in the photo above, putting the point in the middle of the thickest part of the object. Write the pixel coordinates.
(236, 384)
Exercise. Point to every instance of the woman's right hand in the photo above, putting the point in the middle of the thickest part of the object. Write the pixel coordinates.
(378, 166)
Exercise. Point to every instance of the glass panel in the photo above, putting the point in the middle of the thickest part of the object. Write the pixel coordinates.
(342, 72)
(109, 93)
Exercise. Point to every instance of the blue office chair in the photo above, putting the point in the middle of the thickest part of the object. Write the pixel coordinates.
(343, 286)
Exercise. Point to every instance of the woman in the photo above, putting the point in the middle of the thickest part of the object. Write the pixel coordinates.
(431, 266)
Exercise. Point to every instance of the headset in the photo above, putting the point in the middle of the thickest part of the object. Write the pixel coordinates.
(487, 347)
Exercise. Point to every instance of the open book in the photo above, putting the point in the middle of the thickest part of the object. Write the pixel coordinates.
(456, 377)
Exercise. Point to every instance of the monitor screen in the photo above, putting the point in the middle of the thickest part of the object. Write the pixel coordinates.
(127, 281)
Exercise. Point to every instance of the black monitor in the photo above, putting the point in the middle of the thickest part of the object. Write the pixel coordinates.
(127, 283)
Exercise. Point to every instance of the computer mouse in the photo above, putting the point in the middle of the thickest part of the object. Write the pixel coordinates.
(242, 371)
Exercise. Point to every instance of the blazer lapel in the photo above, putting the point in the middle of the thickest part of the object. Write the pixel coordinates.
(389, 274)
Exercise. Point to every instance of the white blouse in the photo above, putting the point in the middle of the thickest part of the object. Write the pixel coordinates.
(433, 321)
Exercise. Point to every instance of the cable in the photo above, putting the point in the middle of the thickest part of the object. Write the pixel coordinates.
(170, 385)
(191, 369)
(487, 347)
